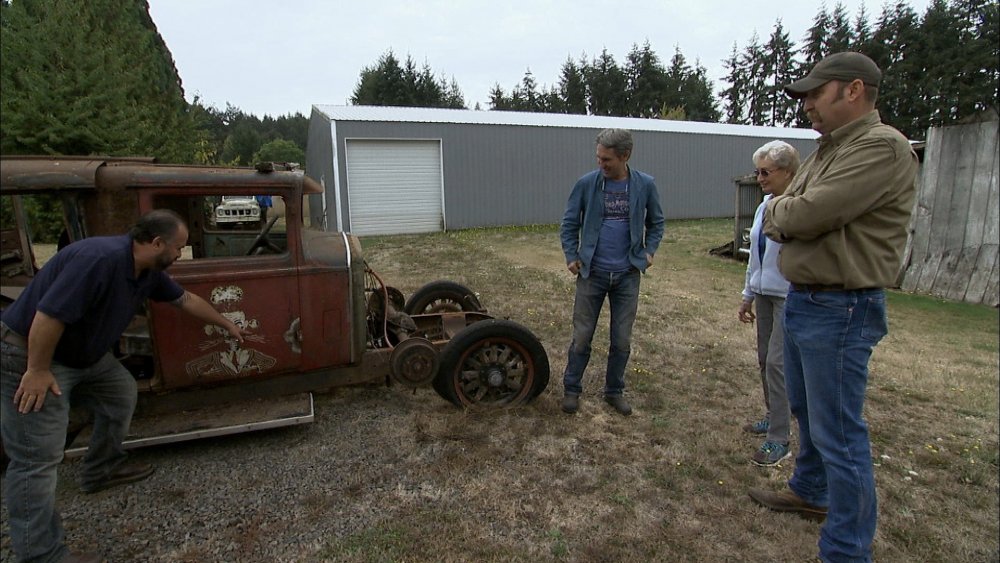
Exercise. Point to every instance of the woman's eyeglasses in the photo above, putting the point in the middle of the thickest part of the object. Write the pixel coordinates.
(763, 172)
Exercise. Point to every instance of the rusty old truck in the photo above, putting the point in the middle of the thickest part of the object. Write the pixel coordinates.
(316, 316)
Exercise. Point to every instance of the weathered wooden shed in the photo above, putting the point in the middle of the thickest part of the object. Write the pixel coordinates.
(954, 246)
(391, 170)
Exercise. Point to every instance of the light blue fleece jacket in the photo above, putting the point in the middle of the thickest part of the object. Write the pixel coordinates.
(766, 279)
(581, 223)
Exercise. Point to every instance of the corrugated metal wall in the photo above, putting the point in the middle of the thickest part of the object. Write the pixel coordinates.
(521, 175)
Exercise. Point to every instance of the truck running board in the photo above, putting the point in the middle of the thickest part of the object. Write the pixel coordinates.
(218, 420)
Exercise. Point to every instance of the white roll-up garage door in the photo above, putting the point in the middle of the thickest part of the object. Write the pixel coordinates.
(394, 187)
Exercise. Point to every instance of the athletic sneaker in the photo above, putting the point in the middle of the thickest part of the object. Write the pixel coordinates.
(759, 427)
(771, 453)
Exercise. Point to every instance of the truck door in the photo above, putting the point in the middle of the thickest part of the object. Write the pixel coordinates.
(250, 280)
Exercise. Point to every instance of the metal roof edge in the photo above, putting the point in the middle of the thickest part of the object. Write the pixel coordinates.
(529, 119)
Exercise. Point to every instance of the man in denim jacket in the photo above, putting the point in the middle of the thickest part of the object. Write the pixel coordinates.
(610, 231)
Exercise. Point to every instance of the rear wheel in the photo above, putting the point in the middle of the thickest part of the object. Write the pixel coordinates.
(442, 297)
(492, 363)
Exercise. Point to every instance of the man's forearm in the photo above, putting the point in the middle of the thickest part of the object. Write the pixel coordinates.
(43, 336)
(202, 310)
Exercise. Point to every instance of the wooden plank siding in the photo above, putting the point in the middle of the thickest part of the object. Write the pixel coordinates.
(954, 249)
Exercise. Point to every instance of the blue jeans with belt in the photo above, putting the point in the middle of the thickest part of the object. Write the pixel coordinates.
(829, 338)
(35, 441)
(622, 292)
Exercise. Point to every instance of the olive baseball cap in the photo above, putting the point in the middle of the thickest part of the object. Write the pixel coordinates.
(846, 66)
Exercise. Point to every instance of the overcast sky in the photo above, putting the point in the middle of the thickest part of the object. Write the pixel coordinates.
(278, 58)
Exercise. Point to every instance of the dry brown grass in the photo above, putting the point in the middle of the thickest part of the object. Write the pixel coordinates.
(390, 475)
(670, 482)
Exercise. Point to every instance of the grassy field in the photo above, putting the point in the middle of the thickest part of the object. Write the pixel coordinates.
(394, 475)
(669, 483)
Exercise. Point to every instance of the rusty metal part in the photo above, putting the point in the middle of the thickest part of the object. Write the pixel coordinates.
(414, 362)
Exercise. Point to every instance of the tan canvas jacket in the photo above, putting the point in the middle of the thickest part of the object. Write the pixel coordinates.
(844, 218)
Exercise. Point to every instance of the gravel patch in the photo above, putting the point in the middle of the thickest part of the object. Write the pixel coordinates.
(275, 495)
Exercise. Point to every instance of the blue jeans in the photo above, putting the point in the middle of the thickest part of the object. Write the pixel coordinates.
(35, 442)
(829, 337)
(622, 292)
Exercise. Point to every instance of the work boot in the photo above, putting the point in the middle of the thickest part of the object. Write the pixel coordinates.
(126, 473)
(787, 501)
(570, 403)
(619, 403)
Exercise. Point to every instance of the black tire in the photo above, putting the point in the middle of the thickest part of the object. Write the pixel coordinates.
(442, 297)
(492, 363)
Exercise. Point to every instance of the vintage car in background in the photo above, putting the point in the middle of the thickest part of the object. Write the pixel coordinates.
(316, 315)
(237, 210)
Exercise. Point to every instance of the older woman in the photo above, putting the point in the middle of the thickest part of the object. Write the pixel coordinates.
(776, 163)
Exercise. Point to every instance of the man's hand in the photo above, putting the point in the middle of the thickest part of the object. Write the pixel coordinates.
(649, 260)
(236, 331)
(35, 384)
(746, 312)
(574, 267)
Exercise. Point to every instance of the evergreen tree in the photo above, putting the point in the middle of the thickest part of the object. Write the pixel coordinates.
(938, 53)
(427, 90)
(862, 31)
(499, 100)
(90, 78)
(675, 82)
(839, 37)
(757, 84)
(389, 83)
(646, 82)
(896, 33)
(699, 103)
(453, 97)
(816, 41)
(527, 96)
(779, 68)
(733, 97)
(977, 81)
(380, 85)
(813, 50)
(606, 86)
(292, 127)
(572, 89)
(937, 69)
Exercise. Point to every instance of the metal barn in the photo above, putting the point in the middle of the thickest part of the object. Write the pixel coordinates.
(391, 170)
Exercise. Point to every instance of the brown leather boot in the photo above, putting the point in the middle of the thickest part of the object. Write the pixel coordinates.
(787, 501)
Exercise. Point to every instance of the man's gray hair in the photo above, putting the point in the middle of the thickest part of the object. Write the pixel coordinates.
(783, 155)
(618, 140)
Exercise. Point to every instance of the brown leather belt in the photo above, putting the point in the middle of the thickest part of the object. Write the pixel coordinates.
(12, 338)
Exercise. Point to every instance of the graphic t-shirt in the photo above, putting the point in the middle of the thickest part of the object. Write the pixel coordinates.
(613, 243)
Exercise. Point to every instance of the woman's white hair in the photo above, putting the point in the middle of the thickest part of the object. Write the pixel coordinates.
(782, 154)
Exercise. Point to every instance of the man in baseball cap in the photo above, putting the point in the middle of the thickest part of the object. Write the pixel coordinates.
(845, 67)
(843, 224)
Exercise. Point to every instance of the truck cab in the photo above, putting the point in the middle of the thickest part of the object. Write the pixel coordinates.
(315, 316)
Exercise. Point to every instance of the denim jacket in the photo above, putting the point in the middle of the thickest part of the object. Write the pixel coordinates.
(763, 279)
(581, 224)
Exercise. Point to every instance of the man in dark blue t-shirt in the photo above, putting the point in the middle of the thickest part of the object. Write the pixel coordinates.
(56, 342)
(611, 229)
